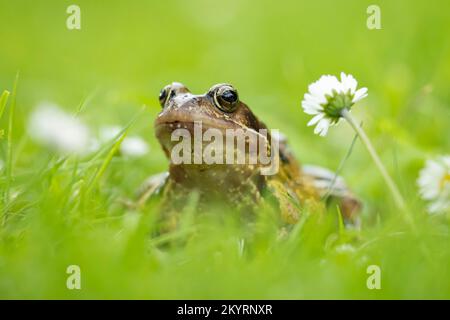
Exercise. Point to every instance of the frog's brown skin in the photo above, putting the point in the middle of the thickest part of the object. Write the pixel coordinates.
(242, 188)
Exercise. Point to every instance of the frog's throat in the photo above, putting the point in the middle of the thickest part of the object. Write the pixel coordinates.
(214, 177)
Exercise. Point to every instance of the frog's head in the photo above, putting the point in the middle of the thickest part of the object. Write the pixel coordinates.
(219, 108)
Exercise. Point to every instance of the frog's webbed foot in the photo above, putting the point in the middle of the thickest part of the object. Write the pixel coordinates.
(150, 187)
(333, 189)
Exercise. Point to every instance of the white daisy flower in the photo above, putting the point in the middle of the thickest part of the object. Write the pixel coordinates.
(329, 100)
(108, 133)
(54, 128)
(132, 146)
(327, 97)
(434, 184)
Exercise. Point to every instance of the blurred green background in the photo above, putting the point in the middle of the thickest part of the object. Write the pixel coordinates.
(126, 51)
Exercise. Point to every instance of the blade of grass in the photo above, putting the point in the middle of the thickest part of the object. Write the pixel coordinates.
(36, 177)
(97, 155)
(69, 187)
(341, 166)
(9, 155)
(3, 101)
(115, 147)
(84, 102)
(340, 220)
(105, 163)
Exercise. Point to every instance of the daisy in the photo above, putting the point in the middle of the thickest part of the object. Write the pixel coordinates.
(434, 184)
(131, 146)
(134, 146)
(328, 97)
(51, 126)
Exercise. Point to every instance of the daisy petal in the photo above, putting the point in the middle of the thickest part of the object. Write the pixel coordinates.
(434, 184)
(360, 94)
(322, 127)
(348, 83)
(316, 119)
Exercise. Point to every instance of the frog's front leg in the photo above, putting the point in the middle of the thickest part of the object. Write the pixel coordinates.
(288, 203)
(159, 185)
(152, 186)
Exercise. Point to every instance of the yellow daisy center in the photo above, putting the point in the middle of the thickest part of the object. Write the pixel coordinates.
(445, 179)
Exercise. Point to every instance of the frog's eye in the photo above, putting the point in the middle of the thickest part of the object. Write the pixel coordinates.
(170, 91)
(163, 95)
(226, 98)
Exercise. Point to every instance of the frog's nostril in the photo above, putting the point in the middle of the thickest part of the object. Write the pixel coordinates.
(194, 100)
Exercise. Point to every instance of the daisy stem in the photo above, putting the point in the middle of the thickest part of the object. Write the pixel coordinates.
(398, 198)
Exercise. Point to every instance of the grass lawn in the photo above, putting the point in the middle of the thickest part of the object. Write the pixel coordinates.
(57, 211)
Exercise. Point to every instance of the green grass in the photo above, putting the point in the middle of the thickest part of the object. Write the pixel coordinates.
(57, 211)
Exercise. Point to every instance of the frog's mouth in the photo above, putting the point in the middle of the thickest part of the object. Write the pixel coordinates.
(195, 135)
(172, 133)
(169, 125)
(188, 121)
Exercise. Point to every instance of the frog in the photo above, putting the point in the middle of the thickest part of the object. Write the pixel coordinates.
(240, 188)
